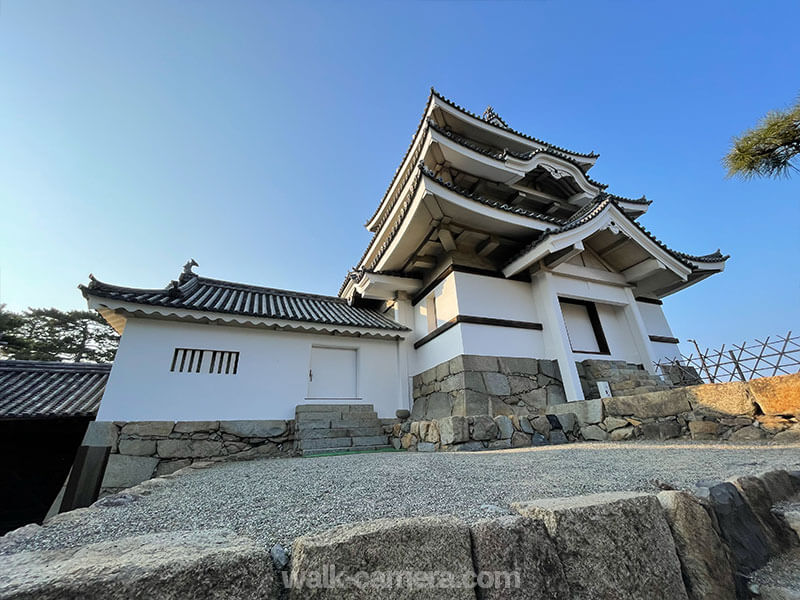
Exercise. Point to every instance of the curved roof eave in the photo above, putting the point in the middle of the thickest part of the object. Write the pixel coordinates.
(523, 157)
(587, 158)
(590, 217)
(174, 314)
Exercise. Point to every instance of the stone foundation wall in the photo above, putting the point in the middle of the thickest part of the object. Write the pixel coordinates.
(484, 432)
(765, 409)
(761, 409)
(144, 449)
(486, 385)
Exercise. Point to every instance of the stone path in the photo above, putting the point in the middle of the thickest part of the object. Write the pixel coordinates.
(276, 500)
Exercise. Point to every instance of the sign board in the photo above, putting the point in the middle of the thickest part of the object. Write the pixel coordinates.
(604, 389)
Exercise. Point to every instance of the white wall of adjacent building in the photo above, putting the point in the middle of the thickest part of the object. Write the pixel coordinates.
(272, 376)
(656, 323)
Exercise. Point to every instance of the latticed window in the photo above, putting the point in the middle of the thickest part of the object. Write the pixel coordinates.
(194, 360)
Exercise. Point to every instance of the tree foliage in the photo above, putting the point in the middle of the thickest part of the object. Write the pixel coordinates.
(52, 334)
(769, 149)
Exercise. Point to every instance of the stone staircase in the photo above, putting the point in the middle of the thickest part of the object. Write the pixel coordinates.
(624, 379)
(326, 428)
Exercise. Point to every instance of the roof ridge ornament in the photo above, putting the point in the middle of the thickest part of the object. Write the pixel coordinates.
(492, 117)
(187, 271)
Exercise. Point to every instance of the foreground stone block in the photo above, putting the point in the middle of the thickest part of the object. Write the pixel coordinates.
(781, 485)
(777, 395)
(778, 534)
(707, 569)
(522, 548)
(645, 406)
(213, 564)
(438, 546)
(125, 471)
(739, 527)
(615, 545)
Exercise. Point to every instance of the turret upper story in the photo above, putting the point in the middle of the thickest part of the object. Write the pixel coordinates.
(472, 192)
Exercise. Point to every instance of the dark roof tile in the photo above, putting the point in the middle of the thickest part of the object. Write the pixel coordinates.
(212, 295)
(37, 389)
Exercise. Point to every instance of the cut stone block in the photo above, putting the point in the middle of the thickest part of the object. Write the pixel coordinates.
(214, 564)
(484, 428)
(189, 448)
(781, 485)
(615, 545)
(777, 532)
(438, 546)
(593, 433)
(777, 395)
(505, 427)
(453, 430)
(587, 412)
(656, 404)
(193, 426)
(715, 399)
(137, 447)
(521, 548)
(704, 430)
(101, 433)
(706, 566)
(739, 527)
(148, 428)
(247, 429)
(125, 471)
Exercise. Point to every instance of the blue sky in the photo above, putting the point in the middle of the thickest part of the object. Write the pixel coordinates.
(258, 137)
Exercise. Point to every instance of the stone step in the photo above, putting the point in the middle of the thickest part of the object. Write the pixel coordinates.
(314, 434)
(335, 408)
(317, 434)
(318, 451)
(362, 431)
(370, 440)
(312, 444)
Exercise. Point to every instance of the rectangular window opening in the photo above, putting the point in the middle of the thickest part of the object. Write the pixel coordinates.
(584, 329)
(191, 360)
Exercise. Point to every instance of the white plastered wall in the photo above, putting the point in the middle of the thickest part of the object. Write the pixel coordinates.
(272, 377)
(478, 296)
(656, 324)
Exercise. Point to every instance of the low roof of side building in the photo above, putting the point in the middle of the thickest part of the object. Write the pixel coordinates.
(192, 297)
(31, 389)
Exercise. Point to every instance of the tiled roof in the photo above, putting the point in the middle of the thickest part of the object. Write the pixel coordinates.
(192, 292)
(506, 128)
(492, 120)
(595, 208)
(488, 201)
(31, 389)
(502, 154)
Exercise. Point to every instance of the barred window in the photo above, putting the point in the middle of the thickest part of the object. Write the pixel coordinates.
(194, 360)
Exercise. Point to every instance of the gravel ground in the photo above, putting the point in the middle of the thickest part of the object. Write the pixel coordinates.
(277, 500)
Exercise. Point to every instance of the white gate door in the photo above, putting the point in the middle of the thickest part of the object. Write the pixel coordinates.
(332, 374)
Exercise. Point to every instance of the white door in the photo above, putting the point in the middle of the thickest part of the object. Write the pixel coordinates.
(332, 374)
